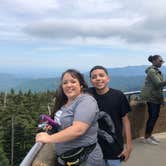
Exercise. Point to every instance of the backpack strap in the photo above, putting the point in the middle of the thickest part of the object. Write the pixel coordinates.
(108, 136)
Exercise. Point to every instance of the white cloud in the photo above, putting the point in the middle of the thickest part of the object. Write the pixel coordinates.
(128, 20)
(71, 28)
(118, 24)
(28, 7)
(135, 31)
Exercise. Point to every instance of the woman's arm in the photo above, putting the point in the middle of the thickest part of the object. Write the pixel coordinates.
(76, 130)
(84, 115)
(155, 79)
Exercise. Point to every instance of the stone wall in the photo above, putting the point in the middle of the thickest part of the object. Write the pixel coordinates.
(46, 156)
(138, 118)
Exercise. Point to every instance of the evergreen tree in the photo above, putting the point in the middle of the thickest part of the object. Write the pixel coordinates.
(19, 121)
(3, 159)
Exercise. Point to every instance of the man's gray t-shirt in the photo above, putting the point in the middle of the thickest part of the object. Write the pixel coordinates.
(84, 109)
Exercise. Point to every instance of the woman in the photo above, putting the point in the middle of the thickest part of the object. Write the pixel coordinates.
(76, 112)
(152, 94)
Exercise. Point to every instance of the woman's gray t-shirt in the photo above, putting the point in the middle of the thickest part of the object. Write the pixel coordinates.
(84, 109)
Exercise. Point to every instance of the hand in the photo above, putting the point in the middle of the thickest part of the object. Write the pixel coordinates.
(126, 152)
(43, 137)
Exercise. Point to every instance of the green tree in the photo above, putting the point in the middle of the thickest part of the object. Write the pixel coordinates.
(19, 121)
(3, 159)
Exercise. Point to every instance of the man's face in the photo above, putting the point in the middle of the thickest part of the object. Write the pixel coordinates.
(99, 79)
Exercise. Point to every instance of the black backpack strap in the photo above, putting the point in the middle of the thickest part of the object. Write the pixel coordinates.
(108, 136)
(108, 119)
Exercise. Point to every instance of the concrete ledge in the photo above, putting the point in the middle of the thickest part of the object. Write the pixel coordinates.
(146, 154)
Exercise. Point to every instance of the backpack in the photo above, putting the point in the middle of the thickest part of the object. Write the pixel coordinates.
(109, 135)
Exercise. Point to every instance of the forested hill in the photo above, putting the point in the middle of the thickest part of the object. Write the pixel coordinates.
(125, 78)
(124, 83)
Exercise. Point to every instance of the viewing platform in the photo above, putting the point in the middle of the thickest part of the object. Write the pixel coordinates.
(143, 154)
(146, 154)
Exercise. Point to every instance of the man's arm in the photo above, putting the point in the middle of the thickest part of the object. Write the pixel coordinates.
(127, 132)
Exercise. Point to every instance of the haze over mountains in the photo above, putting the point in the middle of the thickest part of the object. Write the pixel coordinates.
(124, 78)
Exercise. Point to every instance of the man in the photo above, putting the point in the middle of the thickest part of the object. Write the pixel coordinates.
(114, 103)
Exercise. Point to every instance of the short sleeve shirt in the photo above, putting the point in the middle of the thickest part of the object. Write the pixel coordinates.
(114, 103)
(84, 109)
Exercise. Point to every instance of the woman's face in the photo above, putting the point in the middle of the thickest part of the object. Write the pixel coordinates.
(71, 86)
(158, 62)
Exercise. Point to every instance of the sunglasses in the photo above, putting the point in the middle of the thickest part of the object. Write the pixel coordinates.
(161, 61)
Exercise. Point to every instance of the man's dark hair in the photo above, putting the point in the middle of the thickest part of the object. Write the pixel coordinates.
(98, 67)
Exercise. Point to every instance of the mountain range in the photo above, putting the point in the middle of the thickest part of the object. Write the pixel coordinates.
(125, 78)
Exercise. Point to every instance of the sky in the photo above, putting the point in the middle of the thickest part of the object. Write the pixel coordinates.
(61, 34)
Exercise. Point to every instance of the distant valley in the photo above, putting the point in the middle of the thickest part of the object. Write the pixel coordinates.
(126, 79)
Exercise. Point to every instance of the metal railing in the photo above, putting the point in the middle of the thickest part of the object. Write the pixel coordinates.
(137, 92)
(129, 94)
(132, 93)
(29, 158)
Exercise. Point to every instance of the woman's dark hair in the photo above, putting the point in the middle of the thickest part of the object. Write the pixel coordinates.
(98, 67)
(60, 97)
(152, 58)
